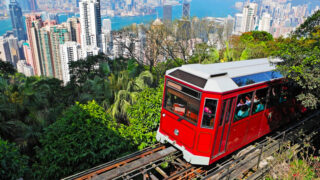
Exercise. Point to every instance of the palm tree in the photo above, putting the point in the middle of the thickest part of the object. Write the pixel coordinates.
(128, 94)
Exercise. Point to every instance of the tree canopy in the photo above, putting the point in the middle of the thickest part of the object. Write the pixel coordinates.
(13, 165)
(82, 138)
(301, 64)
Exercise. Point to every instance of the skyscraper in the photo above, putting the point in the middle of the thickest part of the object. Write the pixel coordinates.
(58, 35)
(90, 20)
(16, 19)
(74, 29)
(106, 26)
(24, 68)
(238, 23)
(33, 24)
(69, 51)
(167, 13)
(186, 10)
(265, 22)
(28, 53)
(46, 53)
(249, 17)
(5, 54)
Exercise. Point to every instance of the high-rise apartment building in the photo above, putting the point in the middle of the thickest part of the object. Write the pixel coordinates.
(16, 20)
(58, 36)
(33, 25)
(46, 53)
(24, 68)
(14, 48)
(28, 53)
(69, 51)
(265, 22)
(74, 28)
(106, 26)
(238, 23)
(249, 17)
(90, 20)
(5, 54)
(167, 13)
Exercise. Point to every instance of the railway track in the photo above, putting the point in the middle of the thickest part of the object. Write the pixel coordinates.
(161, 162)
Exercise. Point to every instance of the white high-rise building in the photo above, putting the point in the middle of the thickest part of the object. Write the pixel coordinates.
(24, 68)
(70, 51)
(106, 26)
(265, 22)
(238, 23)
(90, 20)
(249, 15)
(5, 54)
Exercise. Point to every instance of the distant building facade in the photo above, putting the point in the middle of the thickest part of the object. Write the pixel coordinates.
(16, 20)
(90, 21)
(167, 13)
(69, 51)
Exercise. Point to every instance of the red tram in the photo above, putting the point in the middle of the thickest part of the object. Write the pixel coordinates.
(210, 111)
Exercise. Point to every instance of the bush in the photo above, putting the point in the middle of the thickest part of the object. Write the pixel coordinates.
(13, 165)
(81, 139)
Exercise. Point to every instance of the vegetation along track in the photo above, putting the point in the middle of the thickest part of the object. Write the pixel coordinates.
(161, 162)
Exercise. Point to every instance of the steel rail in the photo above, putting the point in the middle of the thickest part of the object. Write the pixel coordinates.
(87, 174)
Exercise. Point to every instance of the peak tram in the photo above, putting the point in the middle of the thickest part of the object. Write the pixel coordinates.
(210, 111)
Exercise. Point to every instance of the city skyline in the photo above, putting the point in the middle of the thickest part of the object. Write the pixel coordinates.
(47, 48)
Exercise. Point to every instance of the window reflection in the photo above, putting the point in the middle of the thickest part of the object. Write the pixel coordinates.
(182, 105)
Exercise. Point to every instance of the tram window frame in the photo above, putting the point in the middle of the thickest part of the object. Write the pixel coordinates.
(184, 117)
(237, 108)
(277, 98)
(262, 100)
(223, 111)
(214, 114)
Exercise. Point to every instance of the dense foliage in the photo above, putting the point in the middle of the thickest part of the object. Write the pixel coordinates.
(144, 118)
(6, 68)
(13, 165)
(83, 137)
(301, 55)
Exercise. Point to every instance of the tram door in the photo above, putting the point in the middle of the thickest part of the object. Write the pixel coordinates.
(223, 130)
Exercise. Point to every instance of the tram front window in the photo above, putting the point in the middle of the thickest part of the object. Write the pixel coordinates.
(182, 104)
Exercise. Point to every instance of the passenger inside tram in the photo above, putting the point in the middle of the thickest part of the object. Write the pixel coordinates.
(248, 100)
(243, 112)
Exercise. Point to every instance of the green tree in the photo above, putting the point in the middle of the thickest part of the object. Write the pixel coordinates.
(6, 68)
(302, 66)
(144, 117)
(127, 95)
(13, 165)
(204, 54)
(83, 137)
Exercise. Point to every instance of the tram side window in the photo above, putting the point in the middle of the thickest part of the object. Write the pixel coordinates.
(243, 106)
(259, 100)
(278, 95)
(209, 113)
(182, 105)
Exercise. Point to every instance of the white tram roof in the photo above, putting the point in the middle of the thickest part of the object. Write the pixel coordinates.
(223, 77)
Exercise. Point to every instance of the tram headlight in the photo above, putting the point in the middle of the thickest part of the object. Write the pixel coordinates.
(163, 115)
(176, 132)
